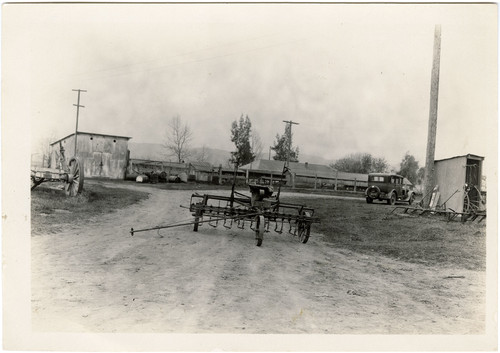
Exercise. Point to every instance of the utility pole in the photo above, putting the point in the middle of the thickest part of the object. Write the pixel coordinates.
(289, 128)
(77, 105)
(433, 110)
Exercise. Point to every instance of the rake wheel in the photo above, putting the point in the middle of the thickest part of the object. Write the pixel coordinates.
(74, 184)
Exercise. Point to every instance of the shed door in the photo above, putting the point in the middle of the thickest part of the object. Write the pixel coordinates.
(472, 178)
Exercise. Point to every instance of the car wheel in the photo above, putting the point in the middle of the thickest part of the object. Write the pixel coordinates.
(392, 200)
(369, 200)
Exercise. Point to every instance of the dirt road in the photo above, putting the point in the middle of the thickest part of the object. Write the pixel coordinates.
(98, 278)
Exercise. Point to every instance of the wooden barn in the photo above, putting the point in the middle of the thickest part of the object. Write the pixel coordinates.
(452, 174)
(104, 156)
(201, 172)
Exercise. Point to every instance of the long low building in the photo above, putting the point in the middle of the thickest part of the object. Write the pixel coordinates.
(305, 175)
(195, 171)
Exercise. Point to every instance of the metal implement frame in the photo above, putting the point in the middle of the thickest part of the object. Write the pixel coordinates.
(71, 174)
(240, 210)
(448, 213)
(271, 211)
(259, 210)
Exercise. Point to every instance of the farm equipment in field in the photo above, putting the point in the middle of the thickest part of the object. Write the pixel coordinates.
(473, 206)
(258, 210)
(71, 174)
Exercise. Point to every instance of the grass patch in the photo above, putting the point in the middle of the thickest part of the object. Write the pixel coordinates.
(365, 228)
(52, 210)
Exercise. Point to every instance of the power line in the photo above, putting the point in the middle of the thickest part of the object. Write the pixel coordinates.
(160, 68)
(77, 105)
(289, 128)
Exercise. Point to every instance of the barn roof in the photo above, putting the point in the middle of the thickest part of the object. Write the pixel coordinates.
(352, 176)
(93, 134)
(468, 156)
(202, 166)
(265, 166)
(300, 169)
(312, 170)
(158, 163)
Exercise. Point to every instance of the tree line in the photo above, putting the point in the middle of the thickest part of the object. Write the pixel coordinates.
(365, 163)
(248, 147)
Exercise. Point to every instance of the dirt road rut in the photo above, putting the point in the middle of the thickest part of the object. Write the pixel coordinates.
(98, 278)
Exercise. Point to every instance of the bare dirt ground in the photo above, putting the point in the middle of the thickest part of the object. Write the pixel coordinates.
(97, 278)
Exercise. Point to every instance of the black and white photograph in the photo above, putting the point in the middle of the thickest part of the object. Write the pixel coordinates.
(250, 176)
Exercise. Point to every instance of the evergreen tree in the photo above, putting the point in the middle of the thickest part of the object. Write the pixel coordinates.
(281, 146)
(240, 135)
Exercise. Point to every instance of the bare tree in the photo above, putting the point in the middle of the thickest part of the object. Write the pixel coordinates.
(44, 149)
(256, 145)
(201, 155)
(178, 137)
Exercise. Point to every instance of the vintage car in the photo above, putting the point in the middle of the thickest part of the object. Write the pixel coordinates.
(389, 187)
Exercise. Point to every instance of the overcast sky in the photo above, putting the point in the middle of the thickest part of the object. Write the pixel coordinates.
(355, 77)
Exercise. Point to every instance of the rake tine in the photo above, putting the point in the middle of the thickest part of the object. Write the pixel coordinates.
(279, 231)
(210, 223)
(230, 223)
(251, 225)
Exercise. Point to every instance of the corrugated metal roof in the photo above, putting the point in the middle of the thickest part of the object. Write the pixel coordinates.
(473, 156)
(300, 169)
(309, 169)
(91, 133)
(265, 165)
(162, 163)
(202, 166)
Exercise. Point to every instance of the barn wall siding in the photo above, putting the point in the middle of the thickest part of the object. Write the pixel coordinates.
(450, 177)
(102, 156)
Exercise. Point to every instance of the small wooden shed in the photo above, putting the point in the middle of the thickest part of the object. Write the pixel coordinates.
(102, 155)
(201, 172)
(452, 174)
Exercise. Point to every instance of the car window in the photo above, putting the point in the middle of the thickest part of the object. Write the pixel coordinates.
(377, 178)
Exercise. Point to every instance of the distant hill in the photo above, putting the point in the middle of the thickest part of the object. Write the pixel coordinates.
(156, 152)
(151, 151)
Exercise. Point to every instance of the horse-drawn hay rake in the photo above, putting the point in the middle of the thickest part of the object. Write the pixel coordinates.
(256, 211)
